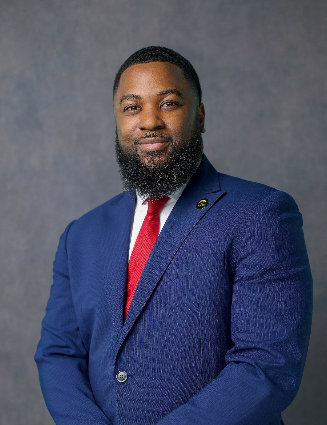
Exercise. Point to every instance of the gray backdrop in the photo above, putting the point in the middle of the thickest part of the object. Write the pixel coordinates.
(263, 68)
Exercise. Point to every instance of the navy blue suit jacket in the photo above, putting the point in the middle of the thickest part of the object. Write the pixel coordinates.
(218, 329)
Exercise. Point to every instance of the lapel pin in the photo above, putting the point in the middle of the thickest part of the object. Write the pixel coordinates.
(202, 204)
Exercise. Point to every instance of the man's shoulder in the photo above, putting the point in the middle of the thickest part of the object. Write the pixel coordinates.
(96, 219)
(246, 197)
(242, 196)
(240, 185)
(236, 187)
(111, 206)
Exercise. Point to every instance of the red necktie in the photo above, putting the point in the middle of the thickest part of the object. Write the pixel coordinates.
(143, 246)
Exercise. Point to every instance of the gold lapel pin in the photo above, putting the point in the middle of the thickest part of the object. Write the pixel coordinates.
(202, 204)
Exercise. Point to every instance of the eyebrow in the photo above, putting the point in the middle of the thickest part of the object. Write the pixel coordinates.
(161, 93)
(128, 96)
(171, 91)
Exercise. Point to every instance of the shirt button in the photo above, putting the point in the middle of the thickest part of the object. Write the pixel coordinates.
(121, 376)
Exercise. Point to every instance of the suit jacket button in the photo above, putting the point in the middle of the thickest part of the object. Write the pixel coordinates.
(121, 376)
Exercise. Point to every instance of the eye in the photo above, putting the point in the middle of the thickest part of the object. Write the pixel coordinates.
(169, 104)
(131, 108)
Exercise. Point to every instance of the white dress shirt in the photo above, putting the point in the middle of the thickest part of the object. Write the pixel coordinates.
(141, 210)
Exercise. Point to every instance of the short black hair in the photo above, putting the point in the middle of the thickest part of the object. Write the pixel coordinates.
(161, 54)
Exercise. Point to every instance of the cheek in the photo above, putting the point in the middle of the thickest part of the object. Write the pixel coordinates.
(126, 139)
(125, 130)
(184, 128)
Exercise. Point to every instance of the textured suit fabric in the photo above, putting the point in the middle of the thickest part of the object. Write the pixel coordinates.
(218, 328)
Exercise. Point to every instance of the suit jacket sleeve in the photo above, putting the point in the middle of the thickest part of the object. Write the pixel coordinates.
(61, 357)
(270, 323)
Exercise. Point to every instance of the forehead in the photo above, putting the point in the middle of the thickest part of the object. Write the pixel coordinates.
(150, 78)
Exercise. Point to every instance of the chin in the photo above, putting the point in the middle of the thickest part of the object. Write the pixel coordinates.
(153, 158)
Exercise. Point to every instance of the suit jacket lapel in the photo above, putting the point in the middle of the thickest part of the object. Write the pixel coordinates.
(116, 253)
(184, 216)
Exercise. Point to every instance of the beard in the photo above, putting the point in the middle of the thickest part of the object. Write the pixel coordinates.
(156, 178)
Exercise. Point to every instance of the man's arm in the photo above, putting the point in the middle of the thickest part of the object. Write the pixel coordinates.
(61, 357)
(270, 323)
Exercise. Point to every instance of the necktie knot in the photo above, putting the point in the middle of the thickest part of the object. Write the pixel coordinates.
(155, 206)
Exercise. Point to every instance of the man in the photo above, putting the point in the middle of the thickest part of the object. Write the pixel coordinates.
(207, 323)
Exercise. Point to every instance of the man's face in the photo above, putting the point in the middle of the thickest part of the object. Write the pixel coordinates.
(159, 123)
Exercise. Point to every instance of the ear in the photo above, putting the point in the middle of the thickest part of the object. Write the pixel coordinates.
(201, 115)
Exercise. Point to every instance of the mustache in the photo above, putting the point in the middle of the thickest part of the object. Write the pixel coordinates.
(152, 134)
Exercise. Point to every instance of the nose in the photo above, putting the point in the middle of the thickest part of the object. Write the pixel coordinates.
(151, 119)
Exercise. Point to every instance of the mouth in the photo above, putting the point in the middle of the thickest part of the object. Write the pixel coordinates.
(150, 144)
